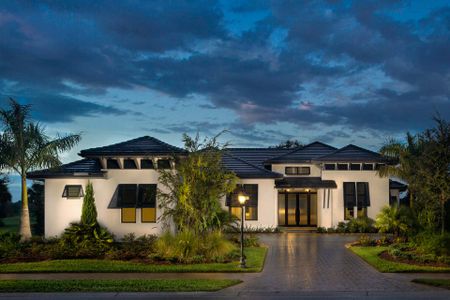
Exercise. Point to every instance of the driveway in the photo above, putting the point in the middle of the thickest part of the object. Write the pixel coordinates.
(298, 265)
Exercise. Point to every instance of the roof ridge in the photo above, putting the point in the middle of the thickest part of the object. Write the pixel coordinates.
(348, 146)
(250, 164)
(301, 148)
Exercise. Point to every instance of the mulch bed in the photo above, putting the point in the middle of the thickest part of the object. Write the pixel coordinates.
(385, 255)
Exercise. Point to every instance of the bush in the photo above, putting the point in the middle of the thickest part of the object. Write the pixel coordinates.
(84, 240)
(365, 240)
(235, 228)
(2, 224)
(432, 243)
(250, 240)
(10, 245)
(394, 219)
(341, 227)
(331, 230)
(133, 248)
(188, 247)
(321, 230)
(361, 225)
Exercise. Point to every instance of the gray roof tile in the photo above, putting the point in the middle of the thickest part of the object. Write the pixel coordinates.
(351, 153)
(80, 168)
(304, 154)
(245, 169)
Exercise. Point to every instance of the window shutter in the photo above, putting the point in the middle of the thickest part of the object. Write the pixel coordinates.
(349, 195)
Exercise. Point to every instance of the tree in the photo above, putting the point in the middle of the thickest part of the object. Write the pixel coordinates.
(24, 147)
(5, 197)
(89, 211)
(193, 190)
(288, 144)
(37, 206)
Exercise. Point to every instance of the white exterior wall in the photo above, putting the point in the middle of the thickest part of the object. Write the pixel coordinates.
(267, 203)
(60, 212)
(378, 190)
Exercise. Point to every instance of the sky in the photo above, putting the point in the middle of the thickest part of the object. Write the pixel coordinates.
(335, 71)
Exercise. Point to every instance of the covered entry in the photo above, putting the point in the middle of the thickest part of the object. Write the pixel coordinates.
(297, 208)
(297, 200)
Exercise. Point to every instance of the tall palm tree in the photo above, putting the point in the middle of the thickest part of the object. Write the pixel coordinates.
(24, 146)
(402, 157)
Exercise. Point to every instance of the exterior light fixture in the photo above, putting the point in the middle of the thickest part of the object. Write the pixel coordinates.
(242, 198)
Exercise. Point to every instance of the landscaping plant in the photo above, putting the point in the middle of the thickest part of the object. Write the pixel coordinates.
(394, 219)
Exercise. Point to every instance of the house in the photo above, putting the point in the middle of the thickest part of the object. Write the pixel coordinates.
(313, 185)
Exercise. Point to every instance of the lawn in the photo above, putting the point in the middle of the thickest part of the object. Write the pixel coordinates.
(371, 256)
(156, 285)
(444, 283)
(255, 263)
(11, 224)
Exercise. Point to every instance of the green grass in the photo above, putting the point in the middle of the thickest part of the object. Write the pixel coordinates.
(140, 285)
(255, 263)
(371, 256)
(444, 283)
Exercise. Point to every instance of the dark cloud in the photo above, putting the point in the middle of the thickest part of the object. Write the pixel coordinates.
(303, 62)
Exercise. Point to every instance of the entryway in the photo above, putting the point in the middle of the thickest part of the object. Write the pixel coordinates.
(297, 209)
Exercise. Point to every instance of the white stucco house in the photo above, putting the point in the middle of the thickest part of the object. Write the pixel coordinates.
(310, 186)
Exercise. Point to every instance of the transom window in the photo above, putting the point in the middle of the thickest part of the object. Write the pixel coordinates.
(330, 166)
(163, 164)
(73, 191)
(297, 170)
(129, 164)
(147, 164)
(112, 163)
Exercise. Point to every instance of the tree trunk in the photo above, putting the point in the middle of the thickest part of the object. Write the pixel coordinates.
(25, 227)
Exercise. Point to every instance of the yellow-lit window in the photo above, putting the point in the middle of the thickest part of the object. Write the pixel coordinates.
(236, 211)
(148, 215)
(251, 213)
(362, 212)
(128, 215)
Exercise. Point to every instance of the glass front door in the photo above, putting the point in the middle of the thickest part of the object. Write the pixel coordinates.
(297, 209)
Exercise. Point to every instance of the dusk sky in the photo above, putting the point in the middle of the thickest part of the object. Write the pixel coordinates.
(336, 71)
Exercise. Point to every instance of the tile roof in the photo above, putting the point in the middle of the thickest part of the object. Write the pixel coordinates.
(351, 153)
(245, 169)
(81, 168)
(257, 156)
(145, 145)
(304, 154)
(305, 182)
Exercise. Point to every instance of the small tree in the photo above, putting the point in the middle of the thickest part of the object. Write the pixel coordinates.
(195, 187)
(394, 219)
(89, 211)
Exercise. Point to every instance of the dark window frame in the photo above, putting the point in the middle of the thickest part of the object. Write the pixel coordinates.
(297, 170)
(340, 167)
(65, 193)
(147, 164)
(367, 167)
(112, 166)
(355, 167)
(126, 164)
(327, 167)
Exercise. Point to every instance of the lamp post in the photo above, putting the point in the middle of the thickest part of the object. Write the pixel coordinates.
(242, 198)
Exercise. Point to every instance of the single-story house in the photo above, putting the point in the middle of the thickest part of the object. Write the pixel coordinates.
(309, 186)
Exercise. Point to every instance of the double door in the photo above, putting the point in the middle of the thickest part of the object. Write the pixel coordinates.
(297, 209)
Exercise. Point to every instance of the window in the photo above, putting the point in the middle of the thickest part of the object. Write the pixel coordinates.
(355, 167)
(251, 207)
(163, 164)
(368, 167)
(147, 202)
(129, 164)
(342, 167)
(356, 194)
(128, 215)
(112, 164)
(297, 170)
(147, 164)
(132, 196)
(330, 166)
(73, 191)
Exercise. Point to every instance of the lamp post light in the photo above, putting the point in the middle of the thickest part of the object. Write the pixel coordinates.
(242, 198)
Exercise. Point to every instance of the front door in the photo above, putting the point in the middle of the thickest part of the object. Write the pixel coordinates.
(297, 209)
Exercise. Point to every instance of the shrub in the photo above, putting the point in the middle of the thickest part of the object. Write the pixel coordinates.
(331, 230)
(432, 243)
(188, 247)
(10, 245)
(89, 211)
(250, 240)
(341, 227)
(394, 219)
(131, 247)
(362, 225)
(84, 240)
(2, 224)
(321, 230)
(365, 240)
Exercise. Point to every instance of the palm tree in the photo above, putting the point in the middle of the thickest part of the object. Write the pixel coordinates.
(24, 147)
(402, 158)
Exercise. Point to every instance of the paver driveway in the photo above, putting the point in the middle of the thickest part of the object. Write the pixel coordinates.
(298, 265)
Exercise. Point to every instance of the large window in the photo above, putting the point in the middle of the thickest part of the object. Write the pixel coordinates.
(133, 196)
(356, 196)
(297, 170)
(251, 206)
(73, 191)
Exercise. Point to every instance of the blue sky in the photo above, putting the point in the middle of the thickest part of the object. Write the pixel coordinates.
(336, 71)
